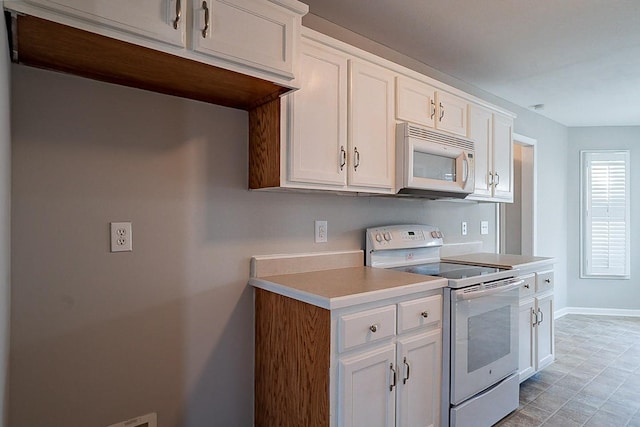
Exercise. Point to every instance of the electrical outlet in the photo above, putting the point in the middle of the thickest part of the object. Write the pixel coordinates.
(464, 228)
(484, 227)
(121, 238)
(321, 232)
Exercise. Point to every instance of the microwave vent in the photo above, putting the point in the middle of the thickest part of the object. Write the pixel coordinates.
(425, 134)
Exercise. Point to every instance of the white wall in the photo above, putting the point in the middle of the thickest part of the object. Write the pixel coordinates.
(599, 293)
(5, 215)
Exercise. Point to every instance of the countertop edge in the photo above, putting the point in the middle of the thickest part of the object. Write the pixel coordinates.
(348, 300)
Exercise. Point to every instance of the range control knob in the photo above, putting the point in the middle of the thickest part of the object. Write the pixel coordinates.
(379, 237)
(434, 234)
(387, 236)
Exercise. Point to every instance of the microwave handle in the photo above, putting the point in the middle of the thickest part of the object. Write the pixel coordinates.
(465, 168)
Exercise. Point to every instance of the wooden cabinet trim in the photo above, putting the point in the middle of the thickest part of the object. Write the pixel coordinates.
(46, 44)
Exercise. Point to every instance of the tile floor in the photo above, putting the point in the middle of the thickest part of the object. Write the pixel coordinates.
(595, 380)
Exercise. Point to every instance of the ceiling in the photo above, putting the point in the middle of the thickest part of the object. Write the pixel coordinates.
(580, 58)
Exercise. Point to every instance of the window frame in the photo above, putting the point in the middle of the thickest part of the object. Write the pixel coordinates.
(585, 272)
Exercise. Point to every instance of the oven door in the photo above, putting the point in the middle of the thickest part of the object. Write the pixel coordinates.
(484, 338)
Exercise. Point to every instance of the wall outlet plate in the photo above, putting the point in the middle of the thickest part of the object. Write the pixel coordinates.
(321, 232)
(149, 420)
(121, 238)
(484, 227)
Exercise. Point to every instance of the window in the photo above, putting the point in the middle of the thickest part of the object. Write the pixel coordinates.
(604, 214)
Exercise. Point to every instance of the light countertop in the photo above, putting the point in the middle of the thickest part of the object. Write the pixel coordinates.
(501, 260)
(342, 287)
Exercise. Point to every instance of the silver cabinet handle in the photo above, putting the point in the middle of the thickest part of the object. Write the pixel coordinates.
(356, 161)
(408, 370)
(424, 314)
(498, 179)
(490, 179)
(527, 286)
(441, 111)
(541, 317)
(433, 109)
(178, 14)
(547, 280)
(206, 19)
(394, 378)
(343, 157)
(533, 312)
(373, 328)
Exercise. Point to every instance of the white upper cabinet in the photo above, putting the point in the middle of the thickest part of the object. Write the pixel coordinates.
(492, 135)
(503, 157)
(371, 126)
(318, 118)
(154, 19)
(423, 104)
(254, 37)
(253, 32)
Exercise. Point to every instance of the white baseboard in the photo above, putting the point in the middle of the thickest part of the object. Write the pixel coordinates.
(596, 312)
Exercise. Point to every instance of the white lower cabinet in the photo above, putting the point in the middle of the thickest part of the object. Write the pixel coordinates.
(536, 323)
(397, 383)
(367, 388)
(418, 394)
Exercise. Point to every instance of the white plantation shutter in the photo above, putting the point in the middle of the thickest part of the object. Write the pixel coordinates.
(605, 214)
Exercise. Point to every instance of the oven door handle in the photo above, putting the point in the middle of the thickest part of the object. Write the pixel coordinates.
(461, 295)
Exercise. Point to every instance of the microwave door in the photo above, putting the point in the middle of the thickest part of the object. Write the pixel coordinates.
(437, 167)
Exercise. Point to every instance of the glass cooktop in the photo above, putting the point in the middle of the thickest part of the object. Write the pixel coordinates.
(448, 270)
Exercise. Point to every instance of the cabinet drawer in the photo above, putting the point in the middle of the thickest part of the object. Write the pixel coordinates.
(529, 285)
(544, 280)
(366, 326)
(419, 312)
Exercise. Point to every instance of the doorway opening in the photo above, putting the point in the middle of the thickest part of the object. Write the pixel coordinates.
(518, 219)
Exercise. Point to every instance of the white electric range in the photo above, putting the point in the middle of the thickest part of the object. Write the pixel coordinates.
(480, 323)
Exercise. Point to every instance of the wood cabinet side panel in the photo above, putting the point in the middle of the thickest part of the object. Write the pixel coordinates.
(292, 362)
(264, 145)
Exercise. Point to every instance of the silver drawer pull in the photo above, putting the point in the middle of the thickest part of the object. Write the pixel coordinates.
(424, 314)
(373, 328)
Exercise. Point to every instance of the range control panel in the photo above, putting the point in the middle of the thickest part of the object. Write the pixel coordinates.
(403, 237)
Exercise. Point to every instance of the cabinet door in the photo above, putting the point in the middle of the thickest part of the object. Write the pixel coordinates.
(366, 392)
(527, 358)
(257, 33)
(544, 330)
(452, 113)
(419, 386)
(318, 138)
(503, 157)
(153, 19)
(415, 102)
(481, 132)
(371, 126)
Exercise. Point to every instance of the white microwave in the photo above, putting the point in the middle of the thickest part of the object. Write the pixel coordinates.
(433, 164)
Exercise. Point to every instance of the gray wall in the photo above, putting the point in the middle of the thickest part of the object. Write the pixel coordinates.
(100, 337)
(5, 215)
(599, 293)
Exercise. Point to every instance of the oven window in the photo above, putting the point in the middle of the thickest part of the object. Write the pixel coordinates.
(489, 337)
(426, 165)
